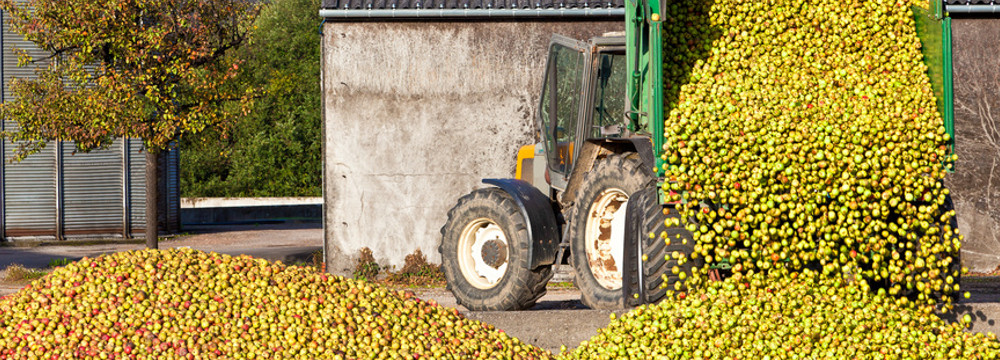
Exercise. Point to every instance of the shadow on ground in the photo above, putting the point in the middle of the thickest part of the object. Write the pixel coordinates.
(568, 304)
(983, 304)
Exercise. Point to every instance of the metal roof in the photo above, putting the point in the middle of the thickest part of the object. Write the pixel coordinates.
(471, 8)
(469, 4)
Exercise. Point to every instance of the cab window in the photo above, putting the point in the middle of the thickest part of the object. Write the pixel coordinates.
(561, 105)
(609, 95)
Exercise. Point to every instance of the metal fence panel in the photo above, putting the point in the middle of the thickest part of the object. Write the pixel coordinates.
(30, 205)
(137, 187)
(56, 192)
(169, 190)
(173, 191)
(12, 40)
(92, 191)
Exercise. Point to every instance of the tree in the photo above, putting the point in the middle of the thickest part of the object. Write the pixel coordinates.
(152, 69)
(276, 150)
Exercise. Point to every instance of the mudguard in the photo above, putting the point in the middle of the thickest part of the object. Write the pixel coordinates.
(536, 208)
(644, 148)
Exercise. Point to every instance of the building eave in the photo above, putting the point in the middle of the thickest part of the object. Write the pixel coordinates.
(468, 14)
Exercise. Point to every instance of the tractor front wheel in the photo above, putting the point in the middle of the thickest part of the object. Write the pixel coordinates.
(484, 252)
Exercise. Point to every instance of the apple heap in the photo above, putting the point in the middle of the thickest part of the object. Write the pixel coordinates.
(805, 316)
(806, 134)
(185, 304)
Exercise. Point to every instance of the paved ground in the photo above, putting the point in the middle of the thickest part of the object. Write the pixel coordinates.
(558, 319)
(983, 304)
(286, 242)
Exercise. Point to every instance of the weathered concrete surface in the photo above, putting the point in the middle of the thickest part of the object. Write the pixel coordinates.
(975, 184)
(416, 114)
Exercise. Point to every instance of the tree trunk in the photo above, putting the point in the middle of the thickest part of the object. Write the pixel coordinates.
(152, 199)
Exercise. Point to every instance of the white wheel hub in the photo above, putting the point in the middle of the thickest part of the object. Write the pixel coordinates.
(604, 237)
(483, 253)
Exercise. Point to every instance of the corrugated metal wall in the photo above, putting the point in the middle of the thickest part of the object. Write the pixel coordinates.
(92, 195)
(60, 193)
(170, 194)
(171, 191)
(137, 186)
(30, 206)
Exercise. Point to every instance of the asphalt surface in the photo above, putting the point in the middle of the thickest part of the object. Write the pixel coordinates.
(288, 243)
(983, 304)
(559, 318)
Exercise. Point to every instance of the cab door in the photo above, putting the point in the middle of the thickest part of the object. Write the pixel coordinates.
(562, 104)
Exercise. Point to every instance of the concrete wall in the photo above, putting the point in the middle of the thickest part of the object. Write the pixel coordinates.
(416, 114)
(976, 182)
(203, 202)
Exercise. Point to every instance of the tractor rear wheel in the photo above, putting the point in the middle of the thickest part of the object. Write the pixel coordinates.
(597, 227)
(955, 267)
(484, 252)
(654, 245)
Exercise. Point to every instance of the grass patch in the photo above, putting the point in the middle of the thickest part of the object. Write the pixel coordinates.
(54, 263)
(17, 273)
(416, 272)
(366, 268)
(561, 285)
(315, 262)
(975, 274)
(318, 261)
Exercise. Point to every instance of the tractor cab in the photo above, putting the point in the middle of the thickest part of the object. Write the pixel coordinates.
(583, 97)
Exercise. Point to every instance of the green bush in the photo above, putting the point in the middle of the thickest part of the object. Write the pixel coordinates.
(276, 149)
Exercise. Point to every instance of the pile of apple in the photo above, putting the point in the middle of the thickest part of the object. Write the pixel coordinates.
(806, 134)
(184, 304)
(804, 316)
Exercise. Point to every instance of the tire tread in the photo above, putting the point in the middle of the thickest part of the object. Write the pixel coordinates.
(521, 287)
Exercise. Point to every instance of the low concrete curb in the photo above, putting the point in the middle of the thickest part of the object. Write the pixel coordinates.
(199, 211)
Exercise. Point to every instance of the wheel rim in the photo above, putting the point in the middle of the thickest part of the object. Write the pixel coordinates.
(483, 253)
(604, 237)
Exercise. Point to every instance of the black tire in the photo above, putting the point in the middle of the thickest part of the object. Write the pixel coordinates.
(651, 278)
(624, 172)
(955, 267)
(519, 287)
